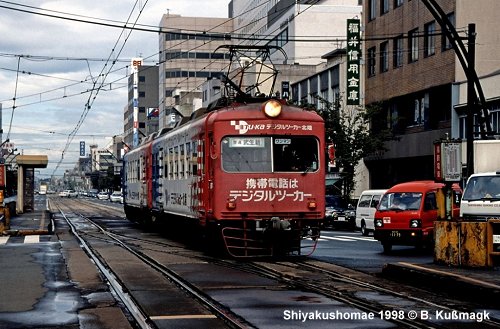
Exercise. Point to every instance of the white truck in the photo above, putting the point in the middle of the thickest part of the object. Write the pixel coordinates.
(43, 189)
(481, 196)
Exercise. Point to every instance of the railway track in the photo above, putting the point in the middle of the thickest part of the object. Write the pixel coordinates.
(355, 293)
(119, 288)
(404, 310)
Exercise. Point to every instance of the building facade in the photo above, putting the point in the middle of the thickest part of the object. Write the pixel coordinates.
(188, 58)
(147, 104)
(306, 30)
(415, 79)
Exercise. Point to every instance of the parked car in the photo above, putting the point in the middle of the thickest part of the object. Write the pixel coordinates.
(68, 194)
(116, 196)
(365, 210)
(339, 212)
(103, 195)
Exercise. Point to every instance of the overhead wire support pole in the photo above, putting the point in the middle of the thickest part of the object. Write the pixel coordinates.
(471, 100)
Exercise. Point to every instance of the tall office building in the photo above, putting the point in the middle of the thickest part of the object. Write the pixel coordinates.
(188, 59)
(145, 100)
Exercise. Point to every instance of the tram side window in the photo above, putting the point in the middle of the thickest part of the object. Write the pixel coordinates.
(195, 158)
(171, 163)
(181, 158)
(160, 163)
(295, 154)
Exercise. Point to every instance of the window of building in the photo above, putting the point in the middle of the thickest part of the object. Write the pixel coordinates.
(142, 78)
(398, 3)
(384, 6)
(398, 51)
(494, 121)
(142, 94)
(384, 56)
(418, 111)
(142, 109)
(446, 44)
(295, 93)
(371, 61)
(413, 46)
(334, 76)
(429, 39)
(372, 9)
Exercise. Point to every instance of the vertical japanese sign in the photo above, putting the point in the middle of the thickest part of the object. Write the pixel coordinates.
(2, 176)
(447, 161)
(82, 148)
(136, 64)
(285, 89)
(353, 61)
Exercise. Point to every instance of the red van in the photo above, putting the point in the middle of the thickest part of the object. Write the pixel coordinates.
(406, 214)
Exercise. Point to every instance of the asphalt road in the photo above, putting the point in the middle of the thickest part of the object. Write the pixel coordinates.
(363, 253)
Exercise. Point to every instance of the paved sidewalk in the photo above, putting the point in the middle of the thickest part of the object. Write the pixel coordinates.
(48, 281)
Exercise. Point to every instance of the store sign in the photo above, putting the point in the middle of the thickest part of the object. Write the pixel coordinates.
(285, 89)
(82, 148)
(2, 176)
(353, 61)
(448, 161)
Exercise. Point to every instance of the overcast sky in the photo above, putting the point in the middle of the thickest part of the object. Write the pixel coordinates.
(61, 62)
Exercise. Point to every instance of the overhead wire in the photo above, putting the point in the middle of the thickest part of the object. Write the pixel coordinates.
(104, 75)
(132, 28)
(14, 98)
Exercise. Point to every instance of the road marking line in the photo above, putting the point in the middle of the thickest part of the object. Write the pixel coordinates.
(187, 316)
(358, 238)
(3, 239)
(335, 238)
(31, 239)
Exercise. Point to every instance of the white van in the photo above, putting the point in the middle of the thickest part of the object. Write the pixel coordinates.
(365, 211)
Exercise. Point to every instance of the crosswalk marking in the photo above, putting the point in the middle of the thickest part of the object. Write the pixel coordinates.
(27, 239)
(32, 239)
(334, 238)
(357, 238)
(345, 238)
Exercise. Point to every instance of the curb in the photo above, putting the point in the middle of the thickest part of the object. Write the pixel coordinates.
(457, 285)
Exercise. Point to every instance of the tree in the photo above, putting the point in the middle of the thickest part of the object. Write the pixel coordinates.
(348, 130)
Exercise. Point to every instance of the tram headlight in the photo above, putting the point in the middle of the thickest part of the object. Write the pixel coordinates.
(231, 204)
(272, 108)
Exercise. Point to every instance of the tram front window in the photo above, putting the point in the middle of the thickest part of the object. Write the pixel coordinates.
(270, 154)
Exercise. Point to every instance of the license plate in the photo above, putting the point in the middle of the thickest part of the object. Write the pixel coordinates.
(341, 218)
(395, 234)
(496, 238)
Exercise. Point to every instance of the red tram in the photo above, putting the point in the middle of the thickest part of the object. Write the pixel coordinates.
(250, 173)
